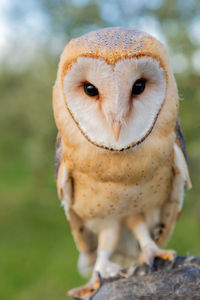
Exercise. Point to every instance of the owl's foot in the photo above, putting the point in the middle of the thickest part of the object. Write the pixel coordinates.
(109, 269)
(105, 267)
(86, 262)
(85, 292)
(150, 252)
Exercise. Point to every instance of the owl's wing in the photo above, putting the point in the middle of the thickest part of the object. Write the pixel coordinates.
(84, 239)
(63, 180)
(180, 140)
(181, 181)
(58, 155)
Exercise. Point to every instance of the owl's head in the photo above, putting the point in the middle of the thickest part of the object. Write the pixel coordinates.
(114, 84)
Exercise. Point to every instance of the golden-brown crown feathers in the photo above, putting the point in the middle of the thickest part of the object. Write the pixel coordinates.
(111, 45)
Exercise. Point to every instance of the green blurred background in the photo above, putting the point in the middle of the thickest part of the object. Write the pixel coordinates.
(37, 253)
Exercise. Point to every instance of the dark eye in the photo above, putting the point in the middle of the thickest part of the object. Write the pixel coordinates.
(90, 90)
(138, 87)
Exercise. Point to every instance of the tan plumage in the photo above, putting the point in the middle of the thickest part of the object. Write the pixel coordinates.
(118, 192)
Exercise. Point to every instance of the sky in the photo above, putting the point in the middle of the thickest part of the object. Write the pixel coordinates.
(34, 26)
(22, 37)
(4, 27)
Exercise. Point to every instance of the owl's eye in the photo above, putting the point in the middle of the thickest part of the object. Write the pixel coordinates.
(138, 87)
(90, 89)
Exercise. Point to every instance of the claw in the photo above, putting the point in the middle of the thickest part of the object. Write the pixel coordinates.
(150, 253)
(87, 291)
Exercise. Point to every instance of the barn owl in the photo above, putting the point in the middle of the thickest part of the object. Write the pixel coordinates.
(121, 166)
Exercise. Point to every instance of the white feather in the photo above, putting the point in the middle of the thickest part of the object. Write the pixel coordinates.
(114, 84)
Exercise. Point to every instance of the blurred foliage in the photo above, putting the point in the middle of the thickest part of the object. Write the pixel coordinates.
(37, 254)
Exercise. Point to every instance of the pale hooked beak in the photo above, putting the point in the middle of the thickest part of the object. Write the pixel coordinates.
(116, 126)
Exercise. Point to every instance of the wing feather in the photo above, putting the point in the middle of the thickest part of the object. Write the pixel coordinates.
(180, 140)
(84, 239)
(58, 155)
(172, 208)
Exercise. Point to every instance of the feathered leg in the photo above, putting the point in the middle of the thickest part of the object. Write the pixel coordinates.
(149, 248)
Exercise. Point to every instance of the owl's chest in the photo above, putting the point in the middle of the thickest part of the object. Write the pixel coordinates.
(120, 187)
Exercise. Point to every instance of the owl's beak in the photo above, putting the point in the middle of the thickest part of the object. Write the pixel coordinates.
(116, 126)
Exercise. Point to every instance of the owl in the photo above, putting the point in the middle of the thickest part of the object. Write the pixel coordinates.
(120, 164)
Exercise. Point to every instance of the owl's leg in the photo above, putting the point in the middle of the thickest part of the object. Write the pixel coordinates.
(149, 248)
(107, 243)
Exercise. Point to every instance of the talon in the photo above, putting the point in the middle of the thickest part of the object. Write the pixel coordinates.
(167, 255)
(85, 292)
(150, 253)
